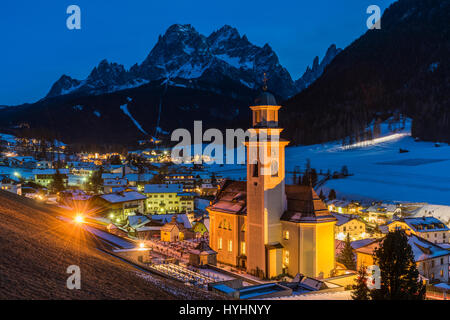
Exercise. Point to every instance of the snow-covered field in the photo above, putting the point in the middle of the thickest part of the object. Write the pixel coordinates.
(380, 171)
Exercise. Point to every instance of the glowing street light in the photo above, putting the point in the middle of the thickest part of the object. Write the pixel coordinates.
(79, 218)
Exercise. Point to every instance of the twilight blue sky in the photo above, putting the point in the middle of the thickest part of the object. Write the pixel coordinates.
(37, 48)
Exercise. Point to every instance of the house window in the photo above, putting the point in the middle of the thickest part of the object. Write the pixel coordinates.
(220, 244)
(442, 273)
(230, 246)
(243, 247)
(286, 235)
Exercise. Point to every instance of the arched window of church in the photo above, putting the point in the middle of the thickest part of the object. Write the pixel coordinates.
(221, 225)
(274, 168)
(244, 227)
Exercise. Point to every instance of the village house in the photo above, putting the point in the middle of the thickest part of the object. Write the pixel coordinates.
(118, 206)
(114, 185)
(349, 225)
(143, 228)
(167, 198)
(428, 228)
(381, 213)
(185, 179)
(432, 261)
(174, 231)
(10, 185)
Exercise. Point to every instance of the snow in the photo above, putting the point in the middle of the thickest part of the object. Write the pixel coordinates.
(124, 108)
(123, 197)
(379, 171)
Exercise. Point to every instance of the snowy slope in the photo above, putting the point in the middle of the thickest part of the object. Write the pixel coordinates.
(380, 171)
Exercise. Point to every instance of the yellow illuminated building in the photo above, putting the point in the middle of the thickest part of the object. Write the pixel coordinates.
(264, 226)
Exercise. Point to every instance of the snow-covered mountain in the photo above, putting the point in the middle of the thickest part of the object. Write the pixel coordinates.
(183, 53)
(313, 73)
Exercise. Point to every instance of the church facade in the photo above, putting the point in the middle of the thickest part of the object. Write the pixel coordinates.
(261, 224)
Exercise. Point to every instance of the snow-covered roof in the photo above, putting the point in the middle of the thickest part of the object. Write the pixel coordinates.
(163, 188)
(50, 171)
(123, 197)
(343, 218)
(424, 224)
(438, 211)
(421, 248)
(166, 218)
(115, 182)
(139, 177)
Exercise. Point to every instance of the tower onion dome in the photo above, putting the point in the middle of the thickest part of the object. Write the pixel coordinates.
(265, 99)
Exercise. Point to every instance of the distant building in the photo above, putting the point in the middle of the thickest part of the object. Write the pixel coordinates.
(118, 206)
(187, 180)
(174, 231)
(168, 198)
(114, 185)
(381, 213)
(428, 228)
(45, 177)
(349, 225)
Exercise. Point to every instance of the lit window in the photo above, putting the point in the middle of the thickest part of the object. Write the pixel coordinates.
(230, 246)
(286, 257)
(286, 235)
(243, 247)
(220, 244)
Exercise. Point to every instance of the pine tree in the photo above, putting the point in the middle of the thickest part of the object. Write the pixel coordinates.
(96, 181)
(347, 256)
(57, 184)
(399, 274)
(332, 195)
(360, 289)
(321, 195)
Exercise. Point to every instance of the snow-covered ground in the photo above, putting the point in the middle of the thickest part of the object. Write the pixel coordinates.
(380, 171)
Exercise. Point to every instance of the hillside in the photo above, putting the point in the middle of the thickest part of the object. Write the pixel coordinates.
(403, 67)
(37, 248)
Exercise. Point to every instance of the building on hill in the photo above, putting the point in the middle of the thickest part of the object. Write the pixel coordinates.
(168, 198)
(45, 177)
(114, 185)
(118, 206)
(349, 225)
(433, 261)
(187, 180)
(428, 228)
(260, 224)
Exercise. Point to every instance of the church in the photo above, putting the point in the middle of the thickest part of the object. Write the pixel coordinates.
(264, 226)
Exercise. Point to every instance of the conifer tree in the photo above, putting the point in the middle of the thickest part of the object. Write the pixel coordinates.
(347, 256)
(57, 184)
(399, 274)
(360, 289)
(332, 195)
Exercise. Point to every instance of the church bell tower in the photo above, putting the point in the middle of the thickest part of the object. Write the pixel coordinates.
(266, 197)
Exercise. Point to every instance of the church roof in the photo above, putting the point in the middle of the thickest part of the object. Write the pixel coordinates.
(231, 198)
(305, 206)
(265, 99)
